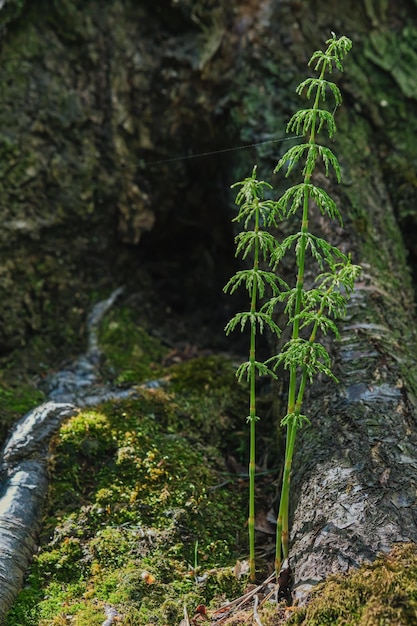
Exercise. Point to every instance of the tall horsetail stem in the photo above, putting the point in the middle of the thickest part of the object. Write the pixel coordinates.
(308, 311)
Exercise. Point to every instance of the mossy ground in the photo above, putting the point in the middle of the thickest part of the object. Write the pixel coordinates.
(135, 515)
(132, 354)
(141, 515)
(144, 518)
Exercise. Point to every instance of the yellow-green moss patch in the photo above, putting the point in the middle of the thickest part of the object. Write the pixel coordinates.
(382, 593)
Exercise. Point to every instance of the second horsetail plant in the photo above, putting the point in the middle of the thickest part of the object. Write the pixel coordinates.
(309, 311)
(260, 244)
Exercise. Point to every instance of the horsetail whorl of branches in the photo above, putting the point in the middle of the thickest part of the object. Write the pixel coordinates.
(312, 312)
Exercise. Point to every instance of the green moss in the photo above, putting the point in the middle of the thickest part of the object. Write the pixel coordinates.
(377, 594)
(132, 355)
(136, 517)
(208, 386)
(395, 53)
(203, 374)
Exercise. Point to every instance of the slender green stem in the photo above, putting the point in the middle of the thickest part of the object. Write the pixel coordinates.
(283, 515)
(252, 403)
(293, 407)
(289, 453)
(256, 242)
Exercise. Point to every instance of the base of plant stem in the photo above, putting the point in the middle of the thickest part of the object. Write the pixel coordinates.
(255, 598)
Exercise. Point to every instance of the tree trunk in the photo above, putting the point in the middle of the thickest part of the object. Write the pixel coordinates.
(354, 475)
(354, 480)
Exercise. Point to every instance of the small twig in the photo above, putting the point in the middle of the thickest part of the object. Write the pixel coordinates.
(186, 618)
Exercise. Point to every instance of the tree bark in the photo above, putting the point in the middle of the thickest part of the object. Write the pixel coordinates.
(354, 480)
(354, 475)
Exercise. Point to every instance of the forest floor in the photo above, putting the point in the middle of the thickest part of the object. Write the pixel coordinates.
(145, 522)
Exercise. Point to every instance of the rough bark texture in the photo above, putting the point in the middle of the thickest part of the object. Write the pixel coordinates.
(355, 479)
(91, 96)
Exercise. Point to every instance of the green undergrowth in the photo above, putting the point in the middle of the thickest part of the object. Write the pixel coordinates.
(382, 593)
(142, 515)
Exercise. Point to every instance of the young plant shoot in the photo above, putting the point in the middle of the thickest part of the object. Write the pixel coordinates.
(309, 311)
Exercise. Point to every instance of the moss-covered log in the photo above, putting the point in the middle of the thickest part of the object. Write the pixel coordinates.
(141, 518)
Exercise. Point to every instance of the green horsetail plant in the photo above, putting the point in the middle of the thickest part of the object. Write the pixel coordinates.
(315, 309)
(254, 212)
(309, 311)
